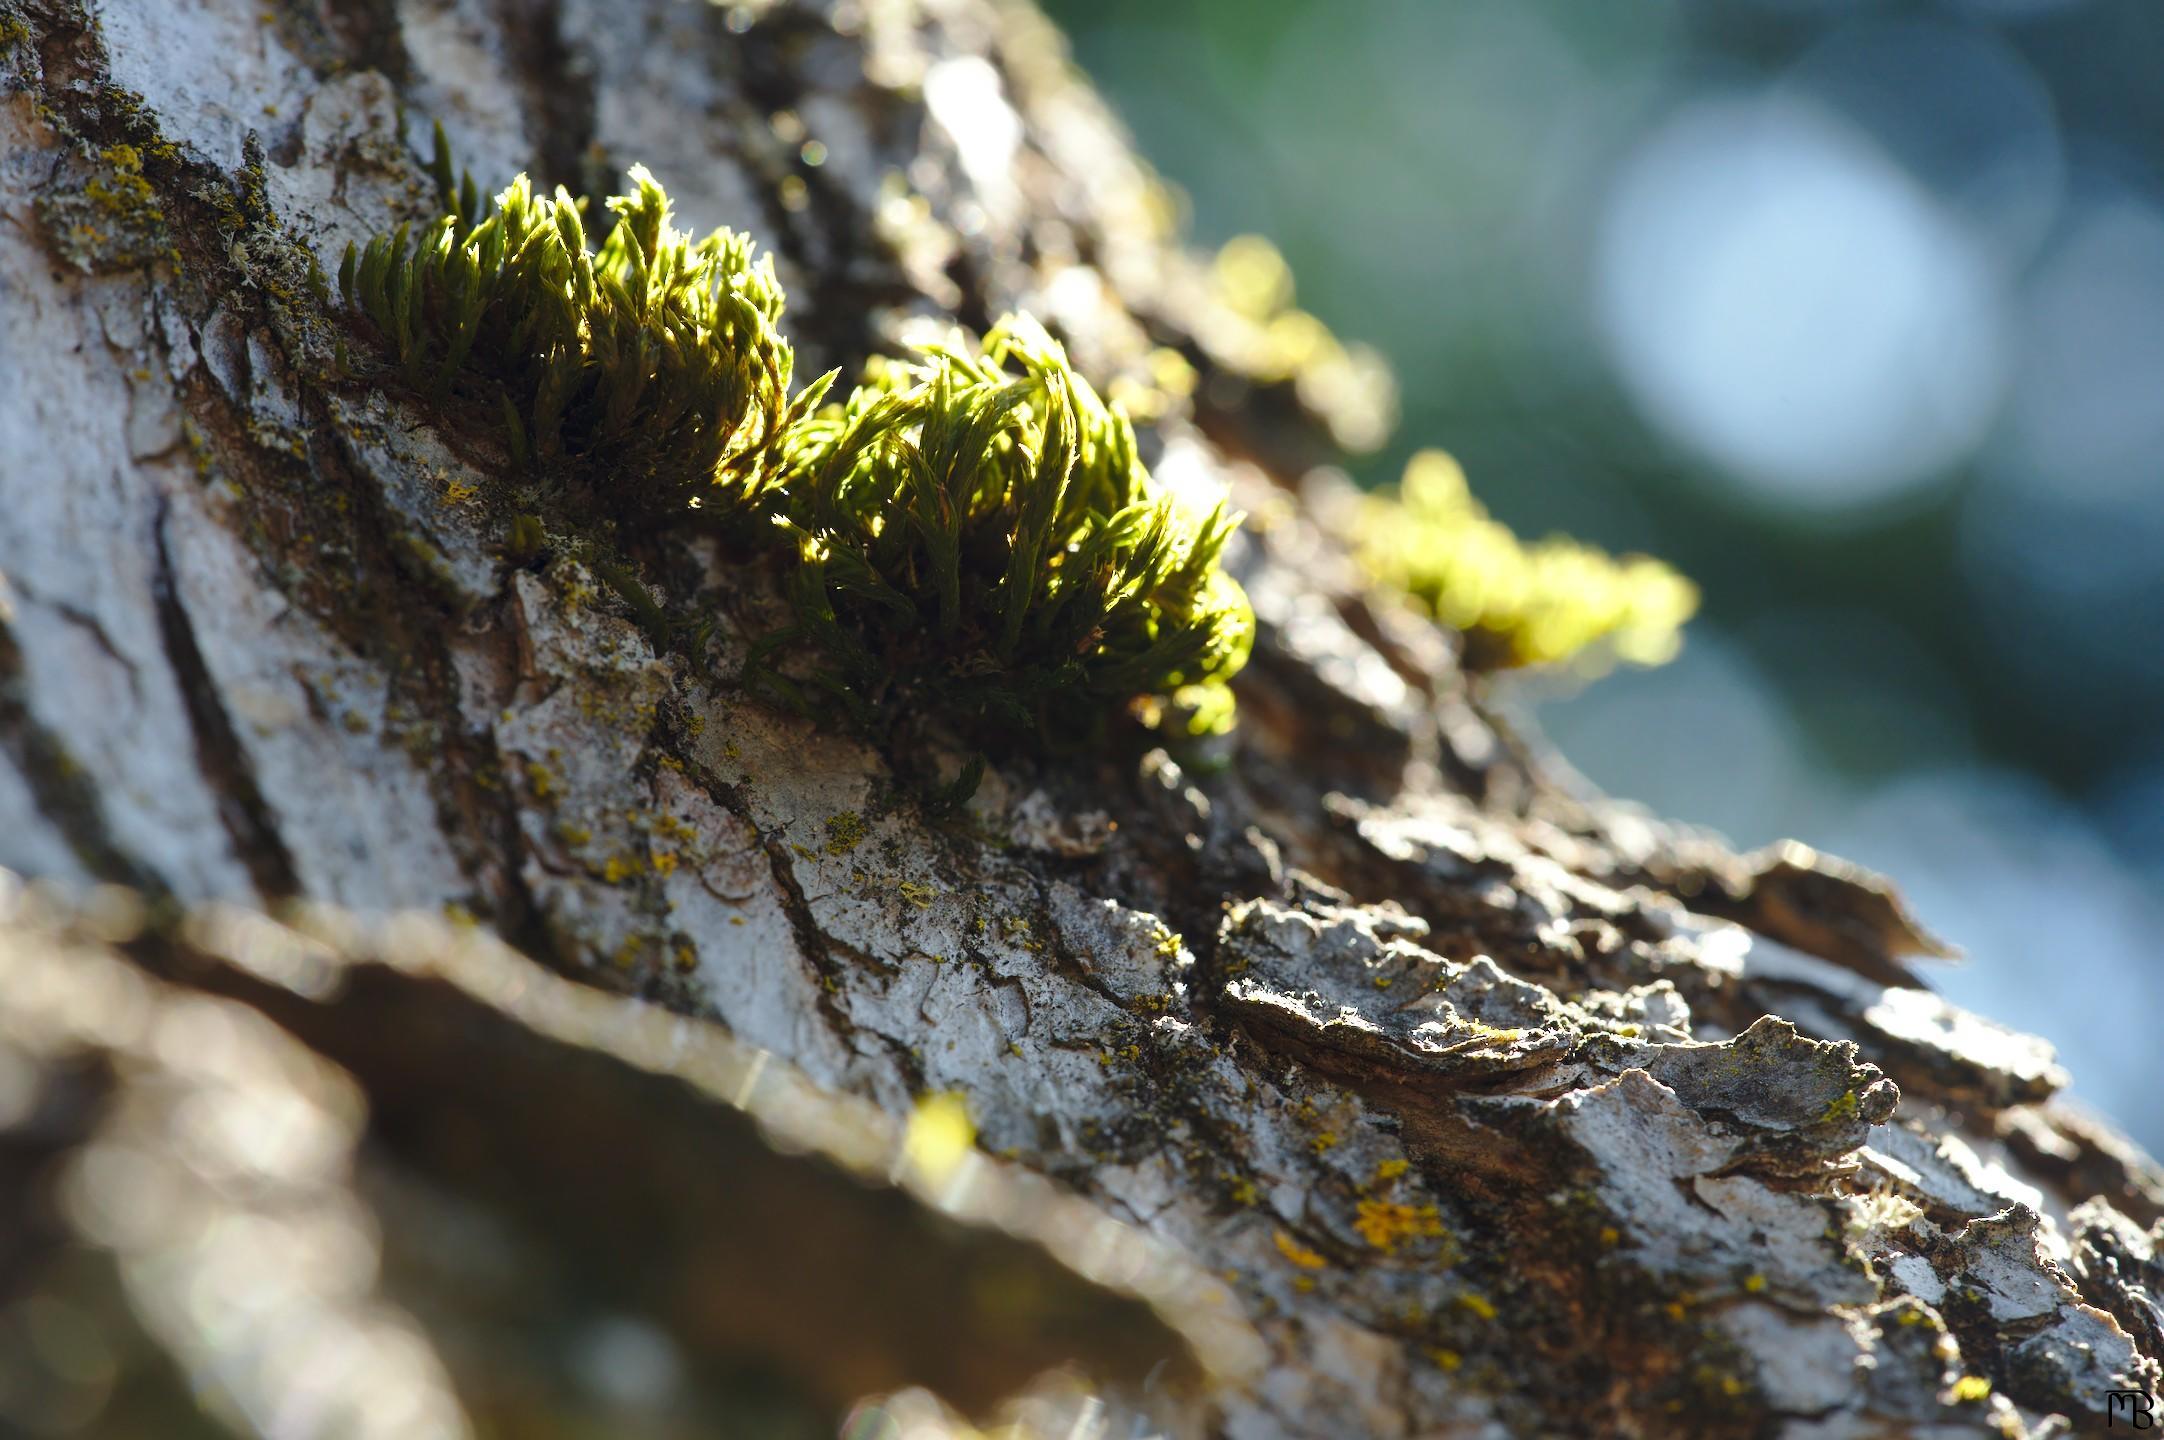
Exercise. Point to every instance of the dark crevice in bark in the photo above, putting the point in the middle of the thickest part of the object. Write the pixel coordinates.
(65, 794)
(69, 51)
(397, 621)
(369, 34)
(224, 763)
(858, 277)
(816, 947)
(556, 85)
(486, 819)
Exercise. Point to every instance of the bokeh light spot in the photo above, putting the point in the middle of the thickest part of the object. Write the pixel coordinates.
(1781, 299)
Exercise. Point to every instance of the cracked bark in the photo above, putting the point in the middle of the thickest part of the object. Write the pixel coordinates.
(1442, 1097)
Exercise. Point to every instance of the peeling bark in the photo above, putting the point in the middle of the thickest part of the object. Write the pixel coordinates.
(1486, 1105)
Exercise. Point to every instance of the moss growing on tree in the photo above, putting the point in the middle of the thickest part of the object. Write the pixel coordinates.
(651, 370)
(976, 526)
(1517, 603)
(972, 532)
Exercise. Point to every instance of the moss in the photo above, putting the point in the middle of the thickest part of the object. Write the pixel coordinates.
(976, 531)
(651, 368)
(972, 534)
(1261, 334)
(1518, 604)
(524, 539)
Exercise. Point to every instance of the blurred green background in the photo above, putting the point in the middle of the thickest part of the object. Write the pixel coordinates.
(1855, 313)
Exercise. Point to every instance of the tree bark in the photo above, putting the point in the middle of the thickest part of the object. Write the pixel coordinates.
(1432, 1094)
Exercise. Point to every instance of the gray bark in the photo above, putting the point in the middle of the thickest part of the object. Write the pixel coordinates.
(1368, 1073)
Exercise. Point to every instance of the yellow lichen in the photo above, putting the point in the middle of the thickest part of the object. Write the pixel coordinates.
(845, 832)
(1475, 1303)
(1844, 1107)
(115, 221)
(1385, 1224)
(1297, 1253)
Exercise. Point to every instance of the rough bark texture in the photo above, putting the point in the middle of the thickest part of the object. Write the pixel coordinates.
(1434, 1096)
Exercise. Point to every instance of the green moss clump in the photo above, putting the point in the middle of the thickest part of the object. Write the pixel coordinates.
(975, 529)
(972, 533)
(652, 368)
(1517, 603)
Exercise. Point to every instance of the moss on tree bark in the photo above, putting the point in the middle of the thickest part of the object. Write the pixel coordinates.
(1450, 1098)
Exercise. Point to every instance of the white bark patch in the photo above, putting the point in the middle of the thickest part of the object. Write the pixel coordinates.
(349, 804)
(76, 548)
(212, 73)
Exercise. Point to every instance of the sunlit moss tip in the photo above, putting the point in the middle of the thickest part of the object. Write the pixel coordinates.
(1258, 331)
(1518, 603)
(975, 526)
